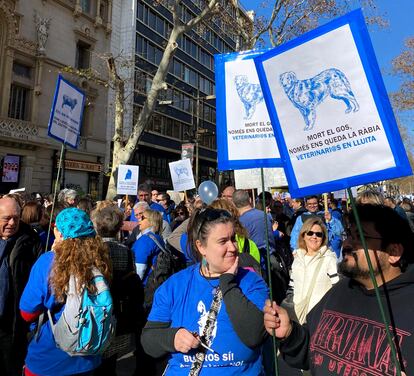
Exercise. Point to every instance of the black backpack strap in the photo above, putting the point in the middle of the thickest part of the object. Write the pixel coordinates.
(155, 240)
(246, 246)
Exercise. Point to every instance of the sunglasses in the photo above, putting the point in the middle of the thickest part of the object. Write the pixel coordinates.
(180, 213)
(208, 215)
(316, 233)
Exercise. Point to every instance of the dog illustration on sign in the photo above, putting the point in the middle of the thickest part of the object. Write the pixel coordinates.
(180, 171)
(307, 94)
(250, 95)
(69, 102)
(128, 175)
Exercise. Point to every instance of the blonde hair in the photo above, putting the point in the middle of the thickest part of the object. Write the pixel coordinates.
(370, 197)
(307, 226)
(154, 219)
(77, 257)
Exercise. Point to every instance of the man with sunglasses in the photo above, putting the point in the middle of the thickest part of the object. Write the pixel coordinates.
(344, 334)
(334, 226)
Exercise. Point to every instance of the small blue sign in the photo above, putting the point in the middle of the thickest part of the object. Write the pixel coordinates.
(66, 113)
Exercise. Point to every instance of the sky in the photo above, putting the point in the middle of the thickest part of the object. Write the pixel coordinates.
(388, 42)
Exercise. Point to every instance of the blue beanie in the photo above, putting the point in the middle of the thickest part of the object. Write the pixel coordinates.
(74, 223)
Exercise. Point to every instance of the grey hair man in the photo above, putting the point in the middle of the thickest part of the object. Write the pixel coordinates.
(19, 248)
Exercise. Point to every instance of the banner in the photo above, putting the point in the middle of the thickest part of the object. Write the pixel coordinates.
(11, 168)
(245, 137)
(251, 178)
(187, 152)
(127, 182)
(182, 175)
(66, 114)
(330, 112)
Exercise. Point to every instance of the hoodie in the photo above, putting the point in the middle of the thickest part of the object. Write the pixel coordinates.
(344, 334)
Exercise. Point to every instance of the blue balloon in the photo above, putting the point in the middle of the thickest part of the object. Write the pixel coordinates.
(208, 191)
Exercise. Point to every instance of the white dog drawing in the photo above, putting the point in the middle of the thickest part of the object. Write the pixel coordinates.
(249, 94)
(307, 94)
(201, 309)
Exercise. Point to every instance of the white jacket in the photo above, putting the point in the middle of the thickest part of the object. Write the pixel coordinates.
(303, 268)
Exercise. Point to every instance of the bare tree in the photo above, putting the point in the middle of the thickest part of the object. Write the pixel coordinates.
(124, 152)
(403, 66)
(403, 103)
(286, 19)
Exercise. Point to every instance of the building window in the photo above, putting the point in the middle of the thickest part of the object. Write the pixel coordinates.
(86, 6)
(83, 55)
(22, 70)
(19, 101)
(103, 11)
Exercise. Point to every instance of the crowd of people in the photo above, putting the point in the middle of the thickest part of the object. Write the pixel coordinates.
(190, 282)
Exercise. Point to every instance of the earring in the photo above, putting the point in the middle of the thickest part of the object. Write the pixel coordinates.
(204, 262)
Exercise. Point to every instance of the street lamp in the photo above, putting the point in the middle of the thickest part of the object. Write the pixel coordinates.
(197, 132)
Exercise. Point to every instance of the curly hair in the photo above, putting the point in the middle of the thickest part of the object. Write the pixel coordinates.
(77, 257)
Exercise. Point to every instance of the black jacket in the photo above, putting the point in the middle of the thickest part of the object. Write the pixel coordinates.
(344, 334)
(23, 250)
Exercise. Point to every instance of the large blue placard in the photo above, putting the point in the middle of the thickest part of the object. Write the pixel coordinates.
(66, 113)
(245, 137)
(329, 109)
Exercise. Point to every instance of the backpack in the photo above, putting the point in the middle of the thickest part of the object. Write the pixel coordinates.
(86, 325)
(168, 262)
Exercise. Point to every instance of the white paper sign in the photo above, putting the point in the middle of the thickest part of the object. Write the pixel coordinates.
(343, 194)
(127, 183)
(182, 175)
(330, 111)
(66, 115)
(250, 133)
(251, 178)
(351, 143)
(245, 137)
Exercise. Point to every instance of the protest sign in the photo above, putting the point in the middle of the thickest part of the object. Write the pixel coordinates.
(127, 182)
(245, 137)
(11, 168)
(182, 175)
(343, 194)
(251, 178)
(66, 114)
(329, 109)
(187, 152)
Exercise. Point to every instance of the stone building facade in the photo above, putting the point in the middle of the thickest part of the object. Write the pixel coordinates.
(38, 38)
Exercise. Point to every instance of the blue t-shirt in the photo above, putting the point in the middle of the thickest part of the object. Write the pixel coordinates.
(184, 300)
(43, 357)
(253, 221)
(146, 251)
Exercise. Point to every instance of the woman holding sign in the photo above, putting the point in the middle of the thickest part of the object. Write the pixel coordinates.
(208, 317)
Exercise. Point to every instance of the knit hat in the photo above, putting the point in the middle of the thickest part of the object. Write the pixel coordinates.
(74, 223)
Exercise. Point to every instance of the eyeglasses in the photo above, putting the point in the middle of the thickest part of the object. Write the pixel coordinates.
(208, 215)
(316, 233)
